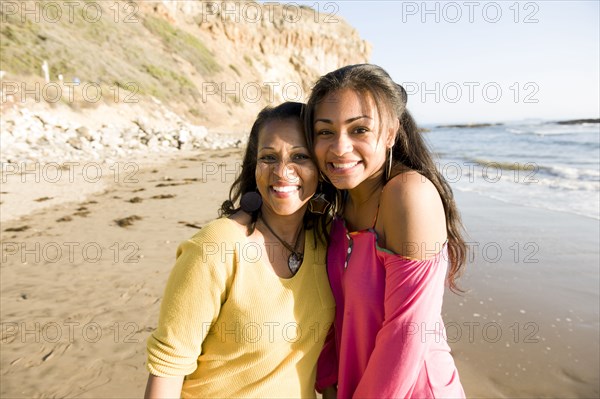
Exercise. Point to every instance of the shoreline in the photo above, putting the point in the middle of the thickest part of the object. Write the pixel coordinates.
(75, 321)
(529, 206)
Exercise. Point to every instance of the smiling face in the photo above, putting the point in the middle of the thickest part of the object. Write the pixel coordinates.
(286, 176)
(347, 143)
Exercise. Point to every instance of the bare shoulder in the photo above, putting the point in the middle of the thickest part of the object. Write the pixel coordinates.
(409, 192)
(408, 186)
(414, 222)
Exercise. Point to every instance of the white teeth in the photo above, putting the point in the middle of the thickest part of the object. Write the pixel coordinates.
(285, 189)
(344, 165)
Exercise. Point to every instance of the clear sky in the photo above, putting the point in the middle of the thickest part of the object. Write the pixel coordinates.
(484, 61)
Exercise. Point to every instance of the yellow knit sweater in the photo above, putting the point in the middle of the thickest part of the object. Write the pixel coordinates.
(233, 327)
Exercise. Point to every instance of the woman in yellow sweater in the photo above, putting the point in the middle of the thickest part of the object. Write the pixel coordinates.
(248, 305)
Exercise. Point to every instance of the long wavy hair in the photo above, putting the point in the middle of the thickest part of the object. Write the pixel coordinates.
(246, 180)
(409, 150)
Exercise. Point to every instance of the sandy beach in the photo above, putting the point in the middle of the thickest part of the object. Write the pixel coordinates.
(80, 294)
(528, 324)
(81, 284)
(121, 127)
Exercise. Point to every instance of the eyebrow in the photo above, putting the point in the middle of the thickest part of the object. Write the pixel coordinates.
(329, 121)
(272, 148)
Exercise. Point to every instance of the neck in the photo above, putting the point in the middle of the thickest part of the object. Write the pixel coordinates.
(286, 226)
(366, 190)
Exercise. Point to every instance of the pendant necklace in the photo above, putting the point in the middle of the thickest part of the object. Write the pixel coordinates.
(295, 258)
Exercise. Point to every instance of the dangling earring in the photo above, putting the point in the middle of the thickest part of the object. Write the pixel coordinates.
(389, 166)
(251, 202)
(318, 203)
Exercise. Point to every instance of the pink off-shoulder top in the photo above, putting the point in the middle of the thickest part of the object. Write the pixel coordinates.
(388, 338)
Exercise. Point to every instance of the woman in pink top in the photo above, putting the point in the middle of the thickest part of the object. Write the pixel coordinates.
(395, 241)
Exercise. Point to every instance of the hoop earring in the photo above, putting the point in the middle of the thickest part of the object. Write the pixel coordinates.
(389, 166)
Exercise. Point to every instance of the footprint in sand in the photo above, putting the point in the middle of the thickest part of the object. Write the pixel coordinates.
(171, 184)
(82, 211)
(20, 228)
(44, 354)
(128, 221)
(192, 225)
(146, 329)
(135, 200)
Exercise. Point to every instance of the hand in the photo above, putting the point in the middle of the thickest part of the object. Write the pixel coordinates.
(330, 392)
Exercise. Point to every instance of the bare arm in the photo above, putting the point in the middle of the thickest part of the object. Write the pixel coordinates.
(163, 387)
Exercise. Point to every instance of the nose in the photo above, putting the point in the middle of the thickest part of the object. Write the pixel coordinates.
(285, 171)
(341, 144)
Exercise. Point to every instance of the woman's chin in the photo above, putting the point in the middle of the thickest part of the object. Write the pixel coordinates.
(288, 209)
(343, 184)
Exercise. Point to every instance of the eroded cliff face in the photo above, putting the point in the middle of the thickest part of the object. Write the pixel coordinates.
(215, 63)
(131, 78)
(268, 53)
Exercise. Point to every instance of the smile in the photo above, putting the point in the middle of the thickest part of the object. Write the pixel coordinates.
(285, 189)
(344, 165)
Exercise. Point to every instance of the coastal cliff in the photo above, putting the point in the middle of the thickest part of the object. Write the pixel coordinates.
(164, 74)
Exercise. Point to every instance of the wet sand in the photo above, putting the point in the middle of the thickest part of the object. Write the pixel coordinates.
(528, 324)
(81, 284)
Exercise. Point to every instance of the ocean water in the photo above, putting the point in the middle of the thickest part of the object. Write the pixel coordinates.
(532, 163)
